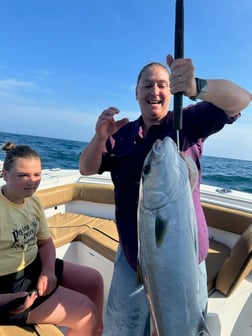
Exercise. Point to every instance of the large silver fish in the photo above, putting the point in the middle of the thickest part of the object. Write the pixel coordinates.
(168, 243)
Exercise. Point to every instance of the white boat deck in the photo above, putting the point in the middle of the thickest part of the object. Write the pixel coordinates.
(234, 312)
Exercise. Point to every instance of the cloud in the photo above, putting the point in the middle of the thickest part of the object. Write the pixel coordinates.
(31, 113)
(13, 84)
(41, 74)
(57, 122)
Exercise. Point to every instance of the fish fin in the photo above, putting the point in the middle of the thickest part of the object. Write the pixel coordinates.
(203, 329)
(204, 333)
(192, 170)
(160, 230)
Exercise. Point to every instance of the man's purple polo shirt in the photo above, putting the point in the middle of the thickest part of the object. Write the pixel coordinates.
(124, 157)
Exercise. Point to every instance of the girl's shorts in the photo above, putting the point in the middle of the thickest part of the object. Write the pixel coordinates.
(25, 281)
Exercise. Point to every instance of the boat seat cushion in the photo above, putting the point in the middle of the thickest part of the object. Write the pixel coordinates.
(227, 219)
(225, 268)
(103, 238)
(89, 192)
(238, 264)
(101, 235)
(217, 254)
(36, 330)
(67, 227)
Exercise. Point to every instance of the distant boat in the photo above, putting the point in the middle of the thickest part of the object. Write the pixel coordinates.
(80, 212)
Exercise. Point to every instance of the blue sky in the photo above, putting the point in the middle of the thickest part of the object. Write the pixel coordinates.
(63, 62)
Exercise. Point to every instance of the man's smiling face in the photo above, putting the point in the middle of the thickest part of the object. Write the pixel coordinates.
(153, 93)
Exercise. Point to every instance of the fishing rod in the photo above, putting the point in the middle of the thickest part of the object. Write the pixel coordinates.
(178, 53)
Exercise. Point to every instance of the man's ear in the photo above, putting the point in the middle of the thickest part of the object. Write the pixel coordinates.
(136, 93)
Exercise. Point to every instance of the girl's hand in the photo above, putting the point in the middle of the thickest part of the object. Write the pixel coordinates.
(27, 299)
(46, 283)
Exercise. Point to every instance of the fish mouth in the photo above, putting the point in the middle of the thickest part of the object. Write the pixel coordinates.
(158, 153)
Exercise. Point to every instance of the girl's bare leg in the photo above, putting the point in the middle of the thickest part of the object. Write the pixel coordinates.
(67, 308)
(89, 282)
(76, 304)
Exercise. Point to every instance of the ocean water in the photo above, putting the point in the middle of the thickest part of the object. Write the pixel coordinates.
(60, 153)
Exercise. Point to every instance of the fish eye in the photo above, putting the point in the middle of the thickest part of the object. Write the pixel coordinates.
(146, 169)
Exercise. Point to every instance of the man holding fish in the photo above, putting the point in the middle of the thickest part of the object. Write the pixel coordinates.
(120, 146)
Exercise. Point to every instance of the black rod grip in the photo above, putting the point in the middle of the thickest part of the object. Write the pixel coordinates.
(178, 53)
